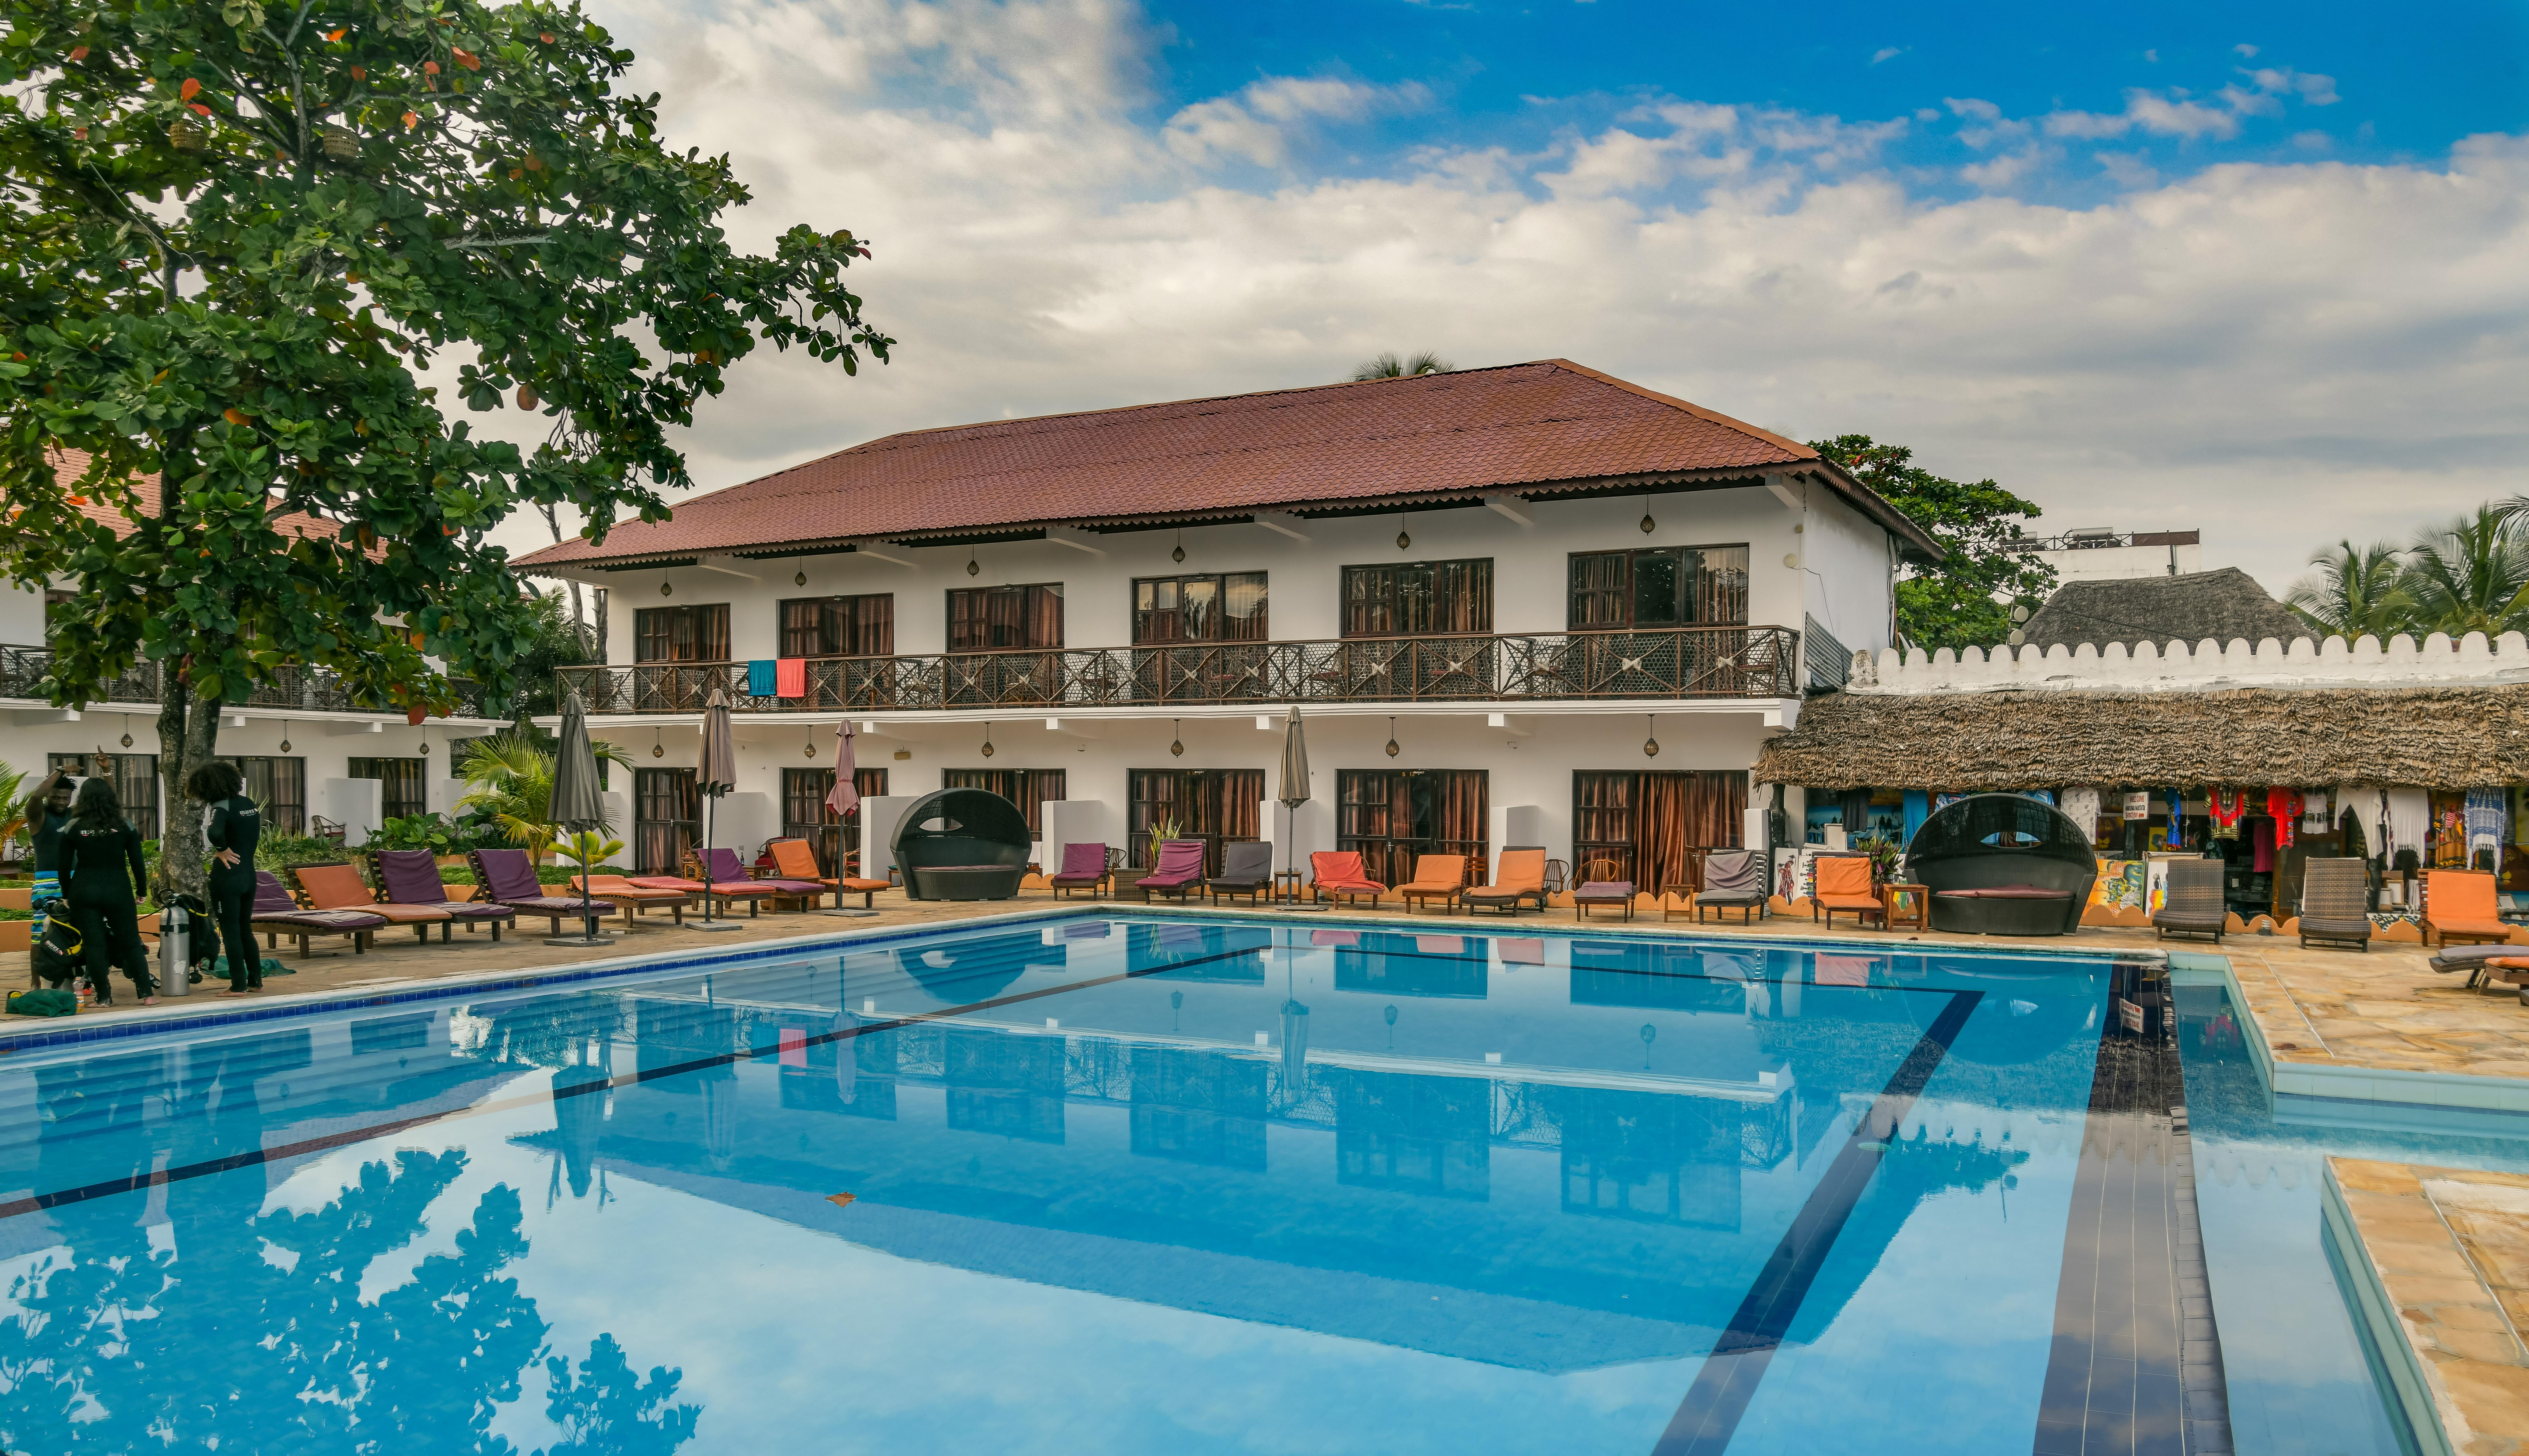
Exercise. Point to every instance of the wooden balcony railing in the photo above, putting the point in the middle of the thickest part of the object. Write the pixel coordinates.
(299, 689)
(1761, 662)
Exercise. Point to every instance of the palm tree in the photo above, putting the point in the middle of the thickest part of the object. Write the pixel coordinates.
(2356, 589)
(1389, 367)
(2473, 574)
(512, 774)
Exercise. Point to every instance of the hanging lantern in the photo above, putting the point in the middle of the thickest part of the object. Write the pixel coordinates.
(127, 731)
(807, 750)
(1178, 555)
(1651, 745)
(657, 748)
(1404, 542)
(284, 737)
(971, 570)
(1649, 525)
(988, 740)
(799, 578)
(1176, 745)
(1392, 749)
(425, 750)
(666, 588)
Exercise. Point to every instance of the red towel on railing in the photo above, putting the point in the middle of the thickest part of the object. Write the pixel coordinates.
(790, 677)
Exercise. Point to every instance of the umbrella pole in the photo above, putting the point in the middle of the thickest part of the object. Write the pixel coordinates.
(709, 921)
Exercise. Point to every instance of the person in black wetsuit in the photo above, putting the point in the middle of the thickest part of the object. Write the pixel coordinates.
(48, 814)
(102, 876)
(231, 825)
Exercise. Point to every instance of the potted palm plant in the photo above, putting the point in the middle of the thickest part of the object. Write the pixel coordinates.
(511, 776)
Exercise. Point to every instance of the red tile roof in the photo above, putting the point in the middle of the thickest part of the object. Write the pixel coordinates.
(68, 465)
(1537, 428)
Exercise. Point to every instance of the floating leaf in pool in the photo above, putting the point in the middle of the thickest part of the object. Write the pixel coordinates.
(839, 1200)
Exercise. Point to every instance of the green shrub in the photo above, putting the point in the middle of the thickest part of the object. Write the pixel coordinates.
(7, 914)
(281, 851)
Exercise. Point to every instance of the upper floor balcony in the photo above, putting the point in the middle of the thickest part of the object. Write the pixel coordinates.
(1677, 662)
(290, 689)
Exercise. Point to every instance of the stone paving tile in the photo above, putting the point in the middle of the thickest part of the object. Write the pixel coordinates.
(2451, 1247)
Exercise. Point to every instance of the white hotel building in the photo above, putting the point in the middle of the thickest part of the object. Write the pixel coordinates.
(1484, 591)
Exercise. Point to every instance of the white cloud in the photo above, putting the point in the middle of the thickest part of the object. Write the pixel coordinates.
(2165, 115)
(1888, 53)
(2219, 350)
(1972, 109)
(2152, 56)
(2316, 90)
(2313, 141)
(2248, 52)
(1258, 124)
(2006, 170)
(2127, 169)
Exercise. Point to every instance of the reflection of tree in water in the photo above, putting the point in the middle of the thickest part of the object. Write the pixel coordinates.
(250, 1333)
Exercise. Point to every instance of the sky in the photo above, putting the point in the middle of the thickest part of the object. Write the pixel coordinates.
(2259, 270)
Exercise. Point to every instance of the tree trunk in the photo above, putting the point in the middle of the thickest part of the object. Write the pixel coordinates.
(189, 735)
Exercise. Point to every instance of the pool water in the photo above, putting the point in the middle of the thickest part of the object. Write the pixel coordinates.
(1118, 1184)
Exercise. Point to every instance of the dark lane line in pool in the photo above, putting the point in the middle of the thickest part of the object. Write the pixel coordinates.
(1709, 1415)
(2135, 1368)
(107, 1188)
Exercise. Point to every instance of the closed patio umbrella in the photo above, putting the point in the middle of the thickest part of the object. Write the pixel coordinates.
(714, 775)
(576, 806)
(845, 798)
(1294, 794)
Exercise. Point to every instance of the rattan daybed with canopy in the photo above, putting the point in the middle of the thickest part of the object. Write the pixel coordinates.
(962, 844)
(2002, 864)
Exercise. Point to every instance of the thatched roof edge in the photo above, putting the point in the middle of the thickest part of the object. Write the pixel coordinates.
(2427, 737)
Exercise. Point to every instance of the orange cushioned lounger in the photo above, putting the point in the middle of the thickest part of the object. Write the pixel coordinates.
(2459, 905)
(341, 887)
(1844, 885)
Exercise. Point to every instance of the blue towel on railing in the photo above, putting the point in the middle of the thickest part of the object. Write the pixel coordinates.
(759, 678)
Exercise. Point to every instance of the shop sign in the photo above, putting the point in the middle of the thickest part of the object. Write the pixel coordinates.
(2138, 805)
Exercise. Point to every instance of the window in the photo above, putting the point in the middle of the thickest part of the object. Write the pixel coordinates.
(993, 618)
(1026, 788)
(1389, 816)
(1213, 805)
(1654, 827)
(279, 786)
(400, 783)
(1419, 599)
(1663, 586)
(666, 819)
(136, 781)
(839, 626)
(681, 634)
(1199, 609)
(805, 814)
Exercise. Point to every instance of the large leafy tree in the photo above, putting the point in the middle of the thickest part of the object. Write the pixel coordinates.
(238, 236)
(1991, 564)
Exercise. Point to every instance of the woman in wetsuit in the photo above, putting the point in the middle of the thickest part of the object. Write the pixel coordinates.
(102, 878)
(231, 825)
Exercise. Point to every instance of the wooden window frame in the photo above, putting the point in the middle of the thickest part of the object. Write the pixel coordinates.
(1147, 614)
(1374, 606)
(839, 625)
(1694, 596)
(654, 628)
(1027, 618)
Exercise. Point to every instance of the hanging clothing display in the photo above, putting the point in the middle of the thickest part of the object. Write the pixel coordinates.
(2349, 825)
(2487, 811)
(2449, 830)
(2520, 815)
(2227, 805)
(2261, 843)
(2409, 814)
(2177, 820)
(1942, 801)
(2282, 805)
(2316, 817)
(2360, 804)
(2082, 806)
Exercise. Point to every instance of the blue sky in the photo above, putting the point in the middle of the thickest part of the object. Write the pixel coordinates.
(2408, 79)
(2254, 270)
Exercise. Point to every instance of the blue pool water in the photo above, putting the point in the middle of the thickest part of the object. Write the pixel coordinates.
(1090, 1184)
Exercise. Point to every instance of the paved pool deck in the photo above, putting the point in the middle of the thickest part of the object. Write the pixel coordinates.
(2437, 1260)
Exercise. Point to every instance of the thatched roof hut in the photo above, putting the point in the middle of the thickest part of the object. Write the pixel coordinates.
(2224, 606)
(2424, 738)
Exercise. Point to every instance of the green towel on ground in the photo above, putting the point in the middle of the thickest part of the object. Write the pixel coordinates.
(270, 967)
(42, 1003)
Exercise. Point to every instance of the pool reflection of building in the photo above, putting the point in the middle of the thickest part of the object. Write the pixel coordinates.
(1318, 1191)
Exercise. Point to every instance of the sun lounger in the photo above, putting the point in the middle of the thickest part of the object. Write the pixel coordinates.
(795, 859)
(1179, 871)
(2459, 905)
(629, 897)
(2336, 903)
(2482, 963)
(1246, 868)
(1084, 867)
(1733, 880)
(341, 888)
(411, 877)
(1844, 885)
(1436, 877)
(724, 868)
(1599, 888)
(1338, 875)
(1521, 881)
(728, 883)
(2192, 903)
(507, 877)
(276, 914)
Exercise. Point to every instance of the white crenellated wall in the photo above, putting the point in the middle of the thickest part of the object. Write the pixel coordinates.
(2470, 662)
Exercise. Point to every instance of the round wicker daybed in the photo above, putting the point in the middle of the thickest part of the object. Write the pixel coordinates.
(2002, 864)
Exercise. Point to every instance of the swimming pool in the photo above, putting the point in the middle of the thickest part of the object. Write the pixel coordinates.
(1129, 1184)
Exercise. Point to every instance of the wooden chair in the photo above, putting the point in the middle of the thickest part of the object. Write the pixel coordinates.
(1521, 881)
(1338, 875)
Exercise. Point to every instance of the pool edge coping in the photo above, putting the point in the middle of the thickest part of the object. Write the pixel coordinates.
(2378, 1086)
